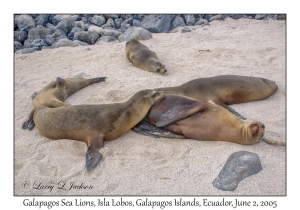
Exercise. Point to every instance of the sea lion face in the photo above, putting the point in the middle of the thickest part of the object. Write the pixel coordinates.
(155, 96)
(160, 68)
(254, 132)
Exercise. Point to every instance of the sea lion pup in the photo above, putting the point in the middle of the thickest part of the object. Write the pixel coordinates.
(198, 120)
(142, 57)
(225, 89)
(94, 124)
(55, 93)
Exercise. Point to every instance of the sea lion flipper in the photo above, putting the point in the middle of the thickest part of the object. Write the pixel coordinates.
(146, 129)
(29, 124)
(60, 82)
(233, 111)
(179, 112)
(92, 158)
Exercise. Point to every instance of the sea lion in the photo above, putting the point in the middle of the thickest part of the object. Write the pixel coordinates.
(55, 93)
(225, 89)
(94, 124)
(193, 119)
(142, 57)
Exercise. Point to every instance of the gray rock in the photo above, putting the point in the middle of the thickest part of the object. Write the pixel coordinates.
(104, 31)
(57, 18)
(127, 21)
(17, 46)
(38, 44)
(107, 39)
(25, 23)
(202, 22)
(73, 31)
(51, 27)
(81, 24)
(66, 25)
(26, 51)
(239, 166)
(80, 43)
(57, 35)
(281, 17)
(134, 32)
(95, 29)
(136, 22)
(39, 32)
(86, 36)
(259, 17)
(42, 20)
(65, 43)
(107, 16)
(109, 23)
(189, 20)
(124, 27)
(118, 22)
(184, 30)
(177, 22)
(207, 17)
(97, 20)
(20, 36)
(217, 17)
(157, 23)
(138, 17)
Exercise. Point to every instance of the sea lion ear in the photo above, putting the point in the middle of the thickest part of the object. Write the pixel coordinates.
(60, 82)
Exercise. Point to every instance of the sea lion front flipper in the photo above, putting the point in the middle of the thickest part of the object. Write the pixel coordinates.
(225, 106)
(146, 129)
(60, 82)
(93, 156)
(180, 112)
(29, 124)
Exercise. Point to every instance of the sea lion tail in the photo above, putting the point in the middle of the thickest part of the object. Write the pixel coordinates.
(275, 143)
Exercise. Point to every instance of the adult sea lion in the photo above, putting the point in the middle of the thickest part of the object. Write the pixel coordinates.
(55, 93)
(94, 124)
(225, 89)
(142, 57)
(193, 119)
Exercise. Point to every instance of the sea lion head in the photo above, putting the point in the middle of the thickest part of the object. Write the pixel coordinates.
(253, 132)
(159, 68)
(155, 96)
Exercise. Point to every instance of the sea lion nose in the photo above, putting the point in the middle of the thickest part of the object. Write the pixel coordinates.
(263, 126)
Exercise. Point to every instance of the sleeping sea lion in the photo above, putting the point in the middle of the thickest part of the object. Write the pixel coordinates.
(225, 89)
(94, 124)
(193, 119)
(55, 93)
(142, 57)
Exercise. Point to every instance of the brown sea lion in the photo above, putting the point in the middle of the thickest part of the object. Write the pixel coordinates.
(225, 89)
(55, 93)
(142, 57)
(193, 119)
(94, 124)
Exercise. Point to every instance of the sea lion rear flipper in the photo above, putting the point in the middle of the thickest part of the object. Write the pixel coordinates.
(93, 156)
(180, 112)
(225, 106)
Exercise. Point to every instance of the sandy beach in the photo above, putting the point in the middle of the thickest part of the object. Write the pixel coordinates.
(139, 165)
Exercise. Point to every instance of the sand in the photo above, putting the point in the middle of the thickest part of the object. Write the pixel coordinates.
(138, 165)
